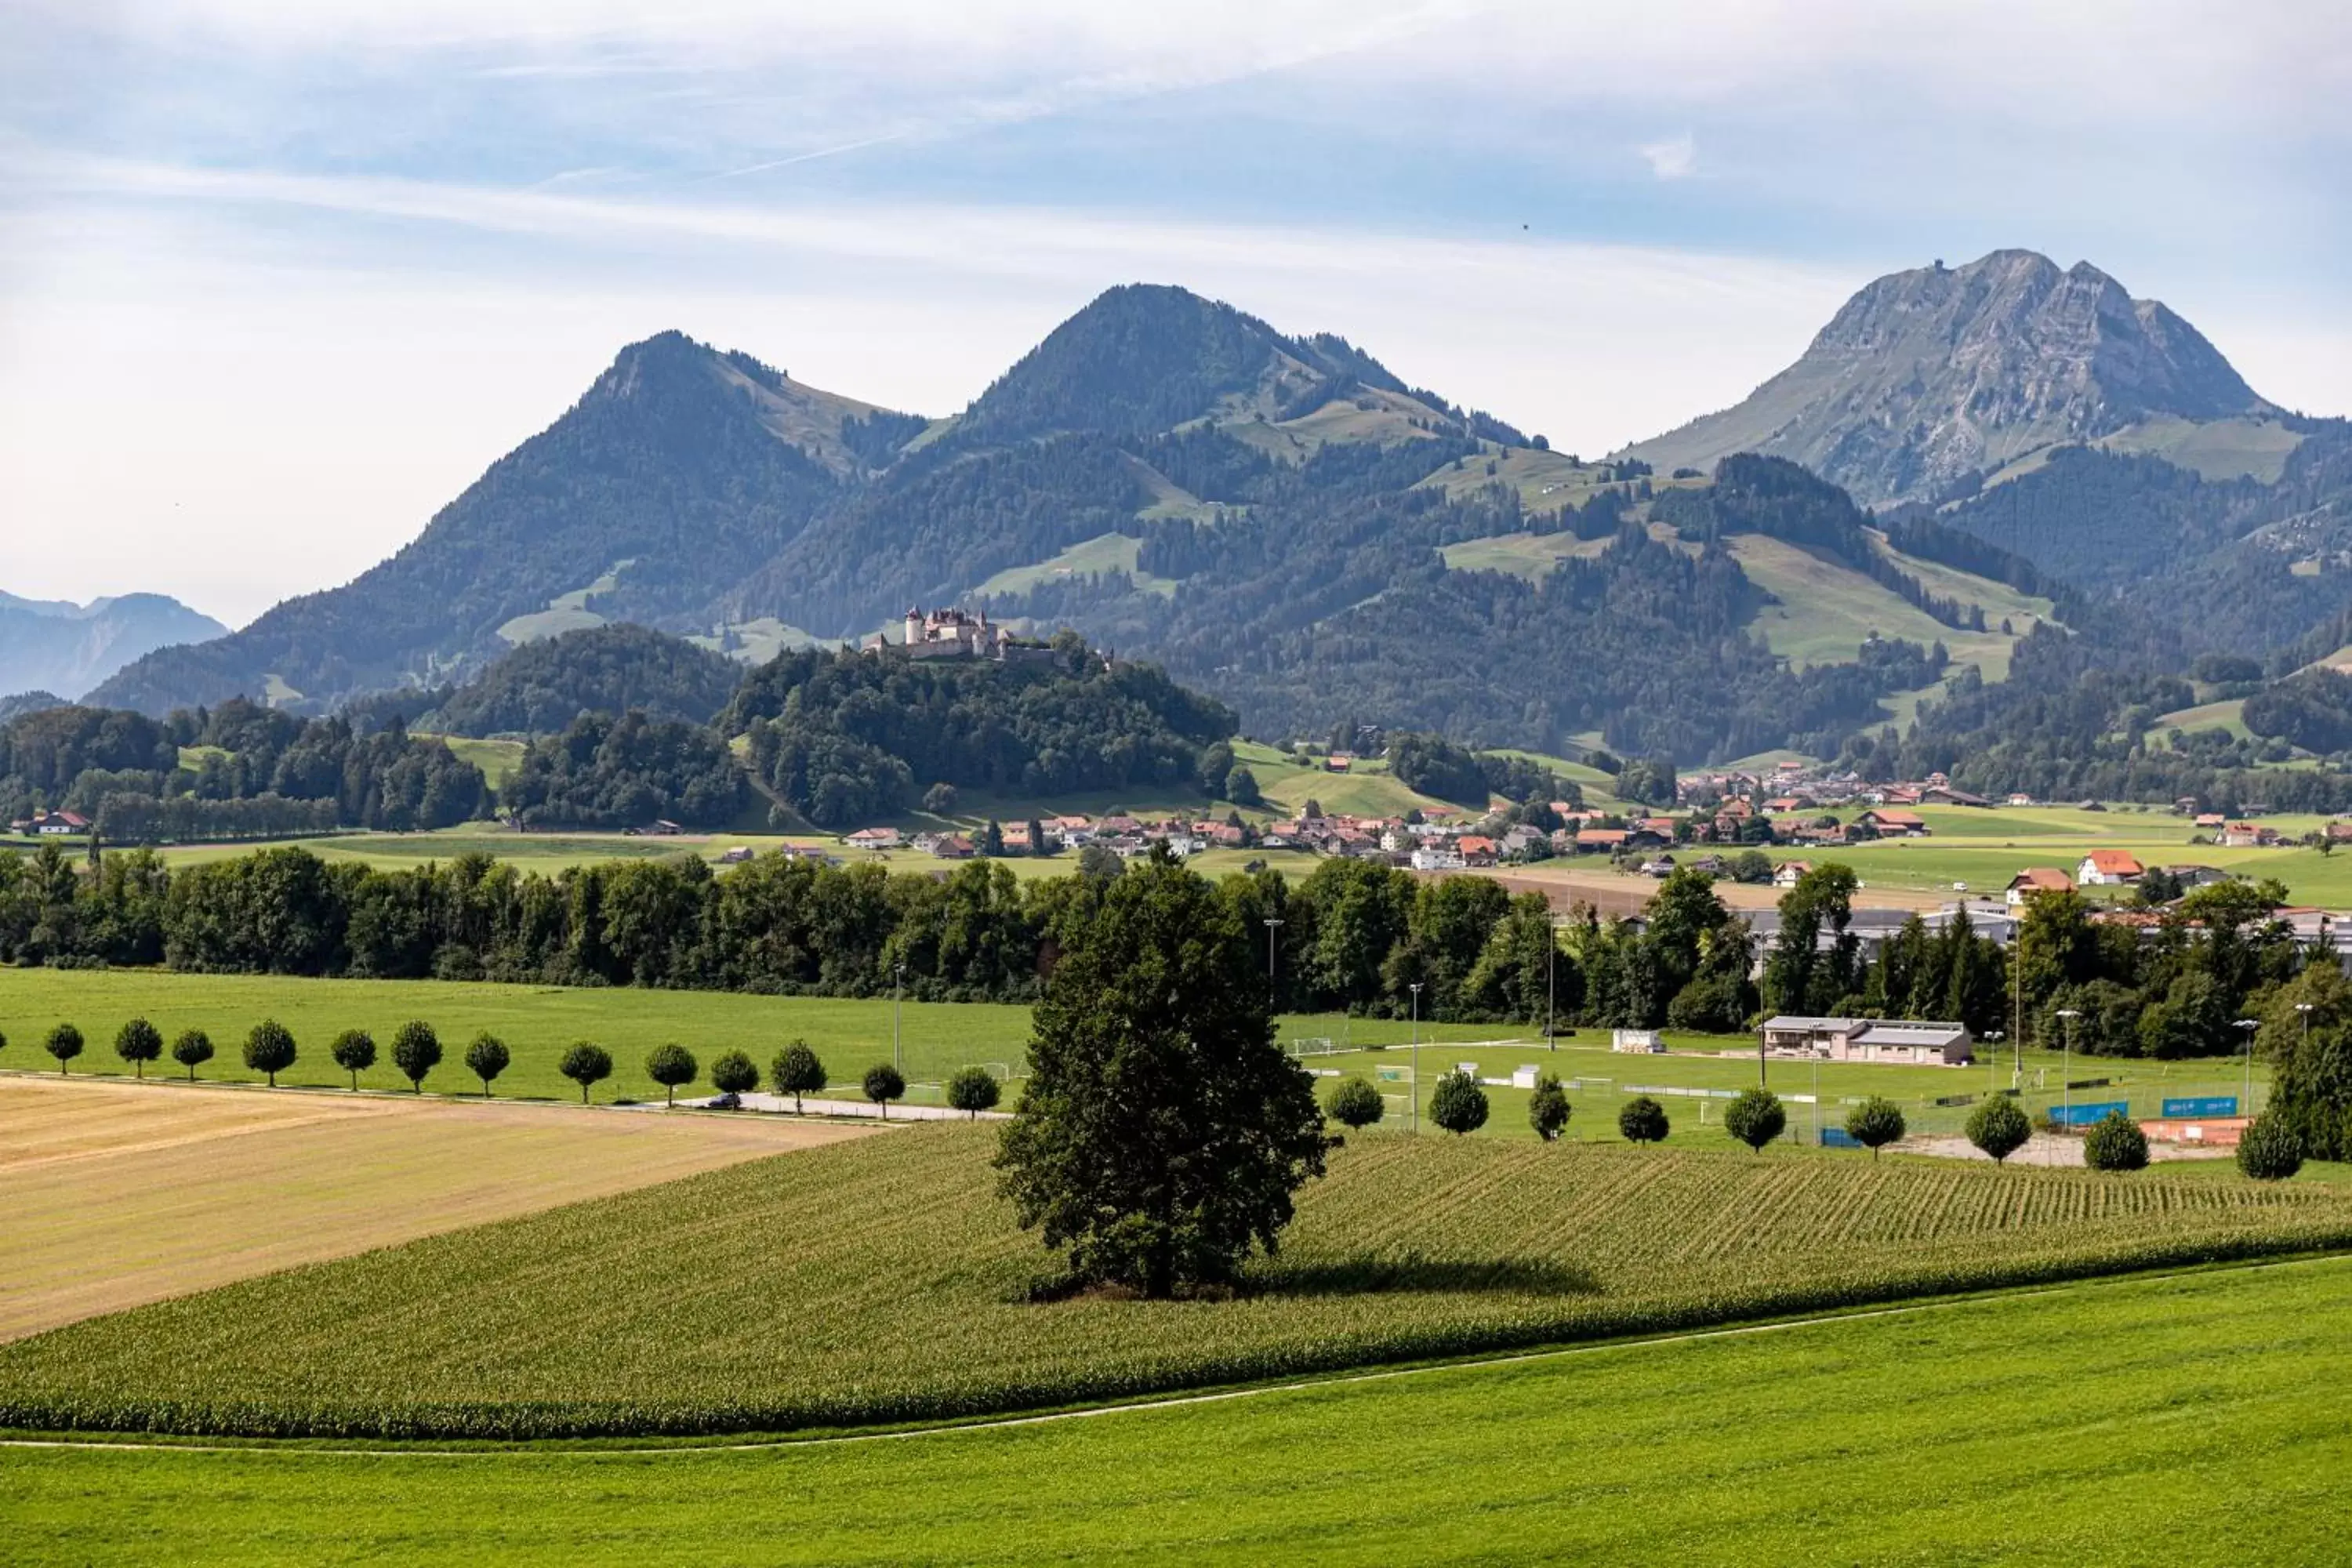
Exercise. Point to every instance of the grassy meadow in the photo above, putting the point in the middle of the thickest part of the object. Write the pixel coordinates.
(2190, 1418)
(538, 1022)
(884, 1280)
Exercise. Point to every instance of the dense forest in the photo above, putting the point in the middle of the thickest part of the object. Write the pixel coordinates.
(628, 772)
(845, 737)
(235, 771)
(543, 685)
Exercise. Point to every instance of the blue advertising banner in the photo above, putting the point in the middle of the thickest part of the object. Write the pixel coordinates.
(2203, 1105)
(2088, 1115)
(1839, 1138)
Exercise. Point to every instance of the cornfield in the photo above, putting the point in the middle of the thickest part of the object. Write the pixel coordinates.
(883, 1281)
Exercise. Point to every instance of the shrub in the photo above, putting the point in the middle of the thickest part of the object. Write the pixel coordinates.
(269, 1049)
(1756, 1118)
(1548, 1108)
(2116, 1143)
(2270, 1151)
(2000, 1127)
(486, 1058)
(734, 1073)
(670, 1066)
(1354, 1102)
(354, 1052)
(884, 1083)
(941, 799)
(416, 1051)
(1643, 1120)
(1458, 1104)
(139, 1042)
(192, 1050)
(974, 1089)
(64, 1043)
(797, 1072)
(584, 1064)
(1875, 1122)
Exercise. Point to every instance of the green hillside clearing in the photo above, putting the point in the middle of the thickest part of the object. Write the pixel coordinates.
(1098, 556)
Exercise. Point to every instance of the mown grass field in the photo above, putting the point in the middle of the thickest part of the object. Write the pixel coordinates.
(883, 1279)
(538, 1022)
(113, 1195)
(2190, 1420)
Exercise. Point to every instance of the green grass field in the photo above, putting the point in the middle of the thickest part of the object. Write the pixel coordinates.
(1827, 610)
(537, 1022)
(2190, 1420)
(884, 1280)
(1095, 557)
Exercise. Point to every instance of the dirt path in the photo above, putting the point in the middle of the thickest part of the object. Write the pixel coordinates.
(113, 1194)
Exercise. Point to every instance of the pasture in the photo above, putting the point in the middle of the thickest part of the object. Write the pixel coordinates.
(113, 1195)
(883, 1279)
(2109, 1422)
(538, 1022)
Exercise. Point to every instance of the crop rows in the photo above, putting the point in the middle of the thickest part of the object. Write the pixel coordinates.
(883, 1279)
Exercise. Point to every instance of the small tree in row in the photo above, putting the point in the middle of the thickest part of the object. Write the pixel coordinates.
(416, 1051)
(486, 1058)
(1643, 1120)
(1756, 1118)
(884, 1083)
(2000, 1127)
(797, 1072)
(192, 1050)
(972, 1091)
(2116, 1143)
(1458, 1104)
(269, 1049)
(2270, 1151)
(734, 1073)
(354, 1052)
(1548, 1108)
(585, 1065)
(1875, 1122)
(139, 1042)
(1354, 1103)
(65, 1044)
(671, 1066)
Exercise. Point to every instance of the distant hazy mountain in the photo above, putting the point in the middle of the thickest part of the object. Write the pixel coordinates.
(52, 645)
(1931, 380)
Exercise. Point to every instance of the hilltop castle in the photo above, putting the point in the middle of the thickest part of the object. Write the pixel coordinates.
(955, 633)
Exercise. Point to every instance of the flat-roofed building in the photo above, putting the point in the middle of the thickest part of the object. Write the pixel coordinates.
(1908, 1041)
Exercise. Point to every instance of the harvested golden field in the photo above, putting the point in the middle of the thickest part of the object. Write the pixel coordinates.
(115, 1194)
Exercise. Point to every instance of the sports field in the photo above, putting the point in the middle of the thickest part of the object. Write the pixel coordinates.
(538, 1022)
(884, 1280)
(113, 1194)
(2185, 1420)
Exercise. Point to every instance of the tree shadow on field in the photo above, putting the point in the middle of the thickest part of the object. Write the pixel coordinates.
(1421, 1275)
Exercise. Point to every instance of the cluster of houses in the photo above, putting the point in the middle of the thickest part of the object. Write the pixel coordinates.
(1125, 835)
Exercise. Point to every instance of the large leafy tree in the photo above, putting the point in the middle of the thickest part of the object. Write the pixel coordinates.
(1161, 1132)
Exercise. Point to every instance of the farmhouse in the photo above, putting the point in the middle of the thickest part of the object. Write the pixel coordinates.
(2108, 869)
(52, 823)
(2249, 835)
(873, 838)
(1870, 1040)
(2037, 879)
(1895, 824)
(1786, 876)
(1601, 839)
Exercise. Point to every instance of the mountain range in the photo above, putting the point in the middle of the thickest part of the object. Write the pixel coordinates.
(1285, 523)
(56, 646)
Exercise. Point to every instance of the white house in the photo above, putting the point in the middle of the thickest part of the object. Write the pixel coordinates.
(2108, 869)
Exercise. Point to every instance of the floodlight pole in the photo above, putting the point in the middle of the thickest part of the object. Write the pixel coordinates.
(2066, 1063)
(1273, 924)
(898, 984)
(1415, 989)
(2246, 1106)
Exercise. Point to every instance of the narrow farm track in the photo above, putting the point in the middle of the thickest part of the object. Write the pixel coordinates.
(1650, 1343)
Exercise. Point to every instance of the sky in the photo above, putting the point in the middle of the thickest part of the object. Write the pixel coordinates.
(279, 278)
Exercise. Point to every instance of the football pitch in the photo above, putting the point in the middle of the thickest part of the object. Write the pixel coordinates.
(2189, 1419)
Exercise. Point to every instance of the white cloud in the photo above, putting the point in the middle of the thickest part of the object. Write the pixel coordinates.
(1676, 158)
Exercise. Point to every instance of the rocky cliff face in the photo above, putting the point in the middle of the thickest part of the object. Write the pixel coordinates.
(1926, 377)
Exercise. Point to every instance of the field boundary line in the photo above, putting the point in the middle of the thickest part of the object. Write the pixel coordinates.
(294, 1448)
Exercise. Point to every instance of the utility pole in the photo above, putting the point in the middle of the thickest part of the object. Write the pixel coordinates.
(898, 984)
(1416, 988)
(2246, 1105)
(1273, 924)
(2066, 1063)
